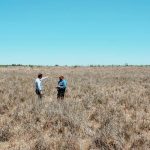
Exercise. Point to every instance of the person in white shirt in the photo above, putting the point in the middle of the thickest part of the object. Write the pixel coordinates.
(39, 86)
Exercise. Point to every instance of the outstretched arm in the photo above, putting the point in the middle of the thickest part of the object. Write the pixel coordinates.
(44, 78)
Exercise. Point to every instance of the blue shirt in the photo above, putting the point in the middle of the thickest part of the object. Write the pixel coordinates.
(62, 84)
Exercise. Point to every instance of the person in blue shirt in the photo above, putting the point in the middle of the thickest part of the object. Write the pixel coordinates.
(61, 88)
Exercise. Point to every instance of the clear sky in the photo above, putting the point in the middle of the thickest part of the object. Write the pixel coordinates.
(74, 32)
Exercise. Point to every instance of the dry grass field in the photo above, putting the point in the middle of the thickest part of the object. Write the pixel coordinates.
(106, 108)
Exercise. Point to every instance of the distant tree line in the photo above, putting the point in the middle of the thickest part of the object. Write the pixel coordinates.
(74, 66)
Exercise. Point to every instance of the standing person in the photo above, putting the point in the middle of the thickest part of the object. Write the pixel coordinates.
(39, 86)
(61, 88)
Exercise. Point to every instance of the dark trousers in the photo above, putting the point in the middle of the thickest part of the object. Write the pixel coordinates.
(61, 93)
(38, 93)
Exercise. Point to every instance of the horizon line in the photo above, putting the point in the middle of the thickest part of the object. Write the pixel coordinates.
(90, 65)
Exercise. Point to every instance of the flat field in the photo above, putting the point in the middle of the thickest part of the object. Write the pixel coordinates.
(105, 108)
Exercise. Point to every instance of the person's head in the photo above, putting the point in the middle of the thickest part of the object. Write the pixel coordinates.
(40, 75)
(61, 77)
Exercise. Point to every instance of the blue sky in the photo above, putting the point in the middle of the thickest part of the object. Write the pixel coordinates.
(74, 32)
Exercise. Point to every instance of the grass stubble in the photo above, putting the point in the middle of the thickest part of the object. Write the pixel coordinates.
(105, 108)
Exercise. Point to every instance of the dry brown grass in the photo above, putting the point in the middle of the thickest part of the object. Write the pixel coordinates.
(105, 108)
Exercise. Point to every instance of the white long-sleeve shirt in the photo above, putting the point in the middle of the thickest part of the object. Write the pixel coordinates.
(38, 83)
